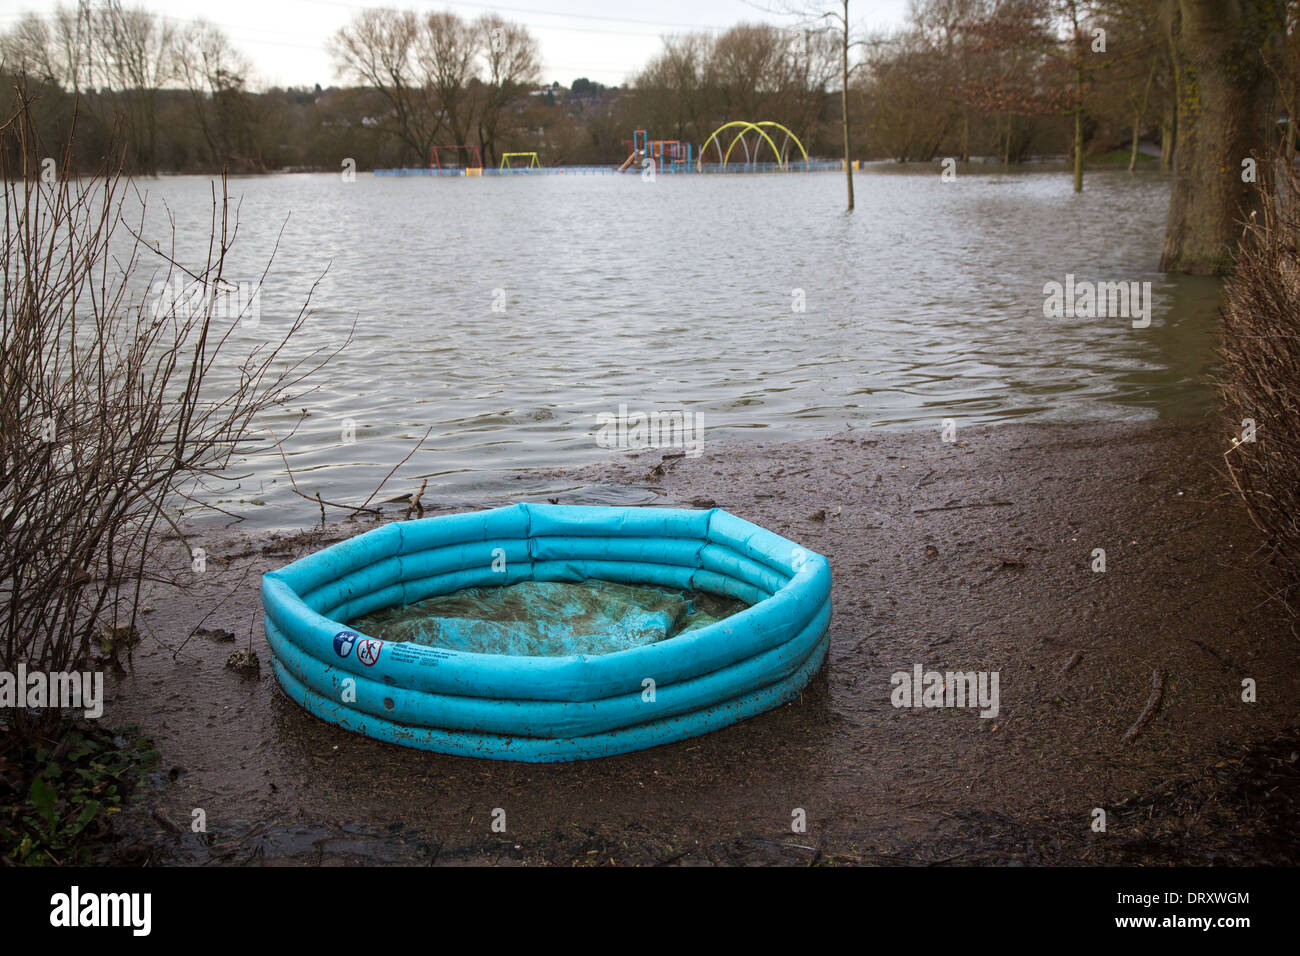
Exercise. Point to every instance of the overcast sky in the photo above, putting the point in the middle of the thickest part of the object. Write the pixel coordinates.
(604, 40)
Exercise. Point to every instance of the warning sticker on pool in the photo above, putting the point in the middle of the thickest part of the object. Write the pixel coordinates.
(368, 651)
(343, 642)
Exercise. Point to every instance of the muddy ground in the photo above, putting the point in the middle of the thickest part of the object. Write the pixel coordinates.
(974, 555)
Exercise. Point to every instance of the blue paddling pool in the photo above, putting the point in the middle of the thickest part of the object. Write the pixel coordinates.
(548, 706)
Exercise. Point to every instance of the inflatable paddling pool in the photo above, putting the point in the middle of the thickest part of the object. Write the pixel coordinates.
(549, 708)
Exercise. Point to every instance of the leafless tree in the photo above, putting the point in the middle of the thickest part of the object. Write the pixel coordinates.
(113, 402)
(447, 54)
(512, 63)
(379, 49)
(28, 48)
(835, 18)
(215, 74)
(136, 56)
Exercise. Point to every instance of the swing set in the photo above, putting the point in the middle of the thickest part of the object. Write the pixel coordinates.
(471, 152)
(533, 161)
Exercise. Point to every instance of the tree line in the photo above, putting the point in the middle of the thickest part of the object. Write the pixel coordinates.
(999, 80)
(179, 96)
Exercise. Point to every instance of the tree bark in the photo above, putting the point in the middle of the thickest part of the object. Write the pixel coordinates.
(1223, 96)
(1168, 138)
(844, 105)
(1078, 98)
(1169, 113)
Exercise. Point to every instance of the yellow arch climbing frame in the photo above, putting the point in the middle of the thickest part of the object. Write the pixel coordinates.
(746, 126)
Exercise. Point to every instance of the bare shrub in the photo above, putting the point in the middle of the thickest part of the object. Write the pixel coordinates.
(110, 411)
(1260, 376)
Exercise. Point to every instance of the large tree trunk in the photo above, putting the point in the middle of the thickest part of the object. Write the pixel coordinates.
(1169, 108)
(1223, 94)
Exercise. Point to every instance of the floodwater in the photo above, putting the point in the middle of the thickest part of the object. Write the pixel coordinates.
(509, 313)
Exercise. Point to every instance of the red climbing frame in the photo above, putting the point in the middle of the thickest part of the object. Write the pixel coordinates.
(478, 159)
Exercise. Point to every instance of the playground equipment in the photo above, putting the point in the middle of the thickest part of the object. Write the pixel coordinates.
(538, 707)
(533, 161)
(471, 151)
(663, 155)
(743, 127)
(669, 155)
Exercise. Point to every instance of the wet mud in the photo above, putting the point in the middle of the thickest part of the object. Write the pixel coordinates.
(973, 555)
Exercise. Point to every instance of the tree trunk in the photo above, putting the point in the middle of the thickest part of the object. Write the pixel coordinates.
(1168, 133)
(1078, 149)
(844, 105)
(1169, 113)
(1223, 95)
(1137, 134)
(1139, 112)
(1078, 97)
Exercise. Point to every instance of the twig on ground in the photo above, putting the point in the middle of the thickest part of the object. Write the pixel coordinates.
(293, 484)
(976, 504)
(1152, 705)
(1072, 663)
(414, 449)
(415, 501)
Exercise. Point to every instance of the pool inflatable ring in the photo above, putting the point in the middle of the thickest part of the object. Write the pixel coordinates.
(549, 708)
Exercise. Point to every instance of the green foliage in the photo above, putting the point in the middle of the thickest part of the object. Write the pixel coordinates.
(58, 797)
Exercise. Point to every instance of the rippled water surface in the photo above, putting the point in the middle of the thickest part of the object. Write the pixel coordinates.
(925, 304)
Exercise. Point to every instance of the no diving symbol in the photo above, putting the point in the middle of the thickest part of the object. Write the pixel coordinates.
(368, 651)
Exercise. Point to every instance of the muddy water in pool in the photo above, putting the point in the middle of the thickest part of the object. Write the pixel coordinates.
(509, 313)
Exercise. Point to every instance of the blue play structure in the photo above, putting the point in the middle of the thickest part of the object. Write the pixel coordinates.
(669, 155)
